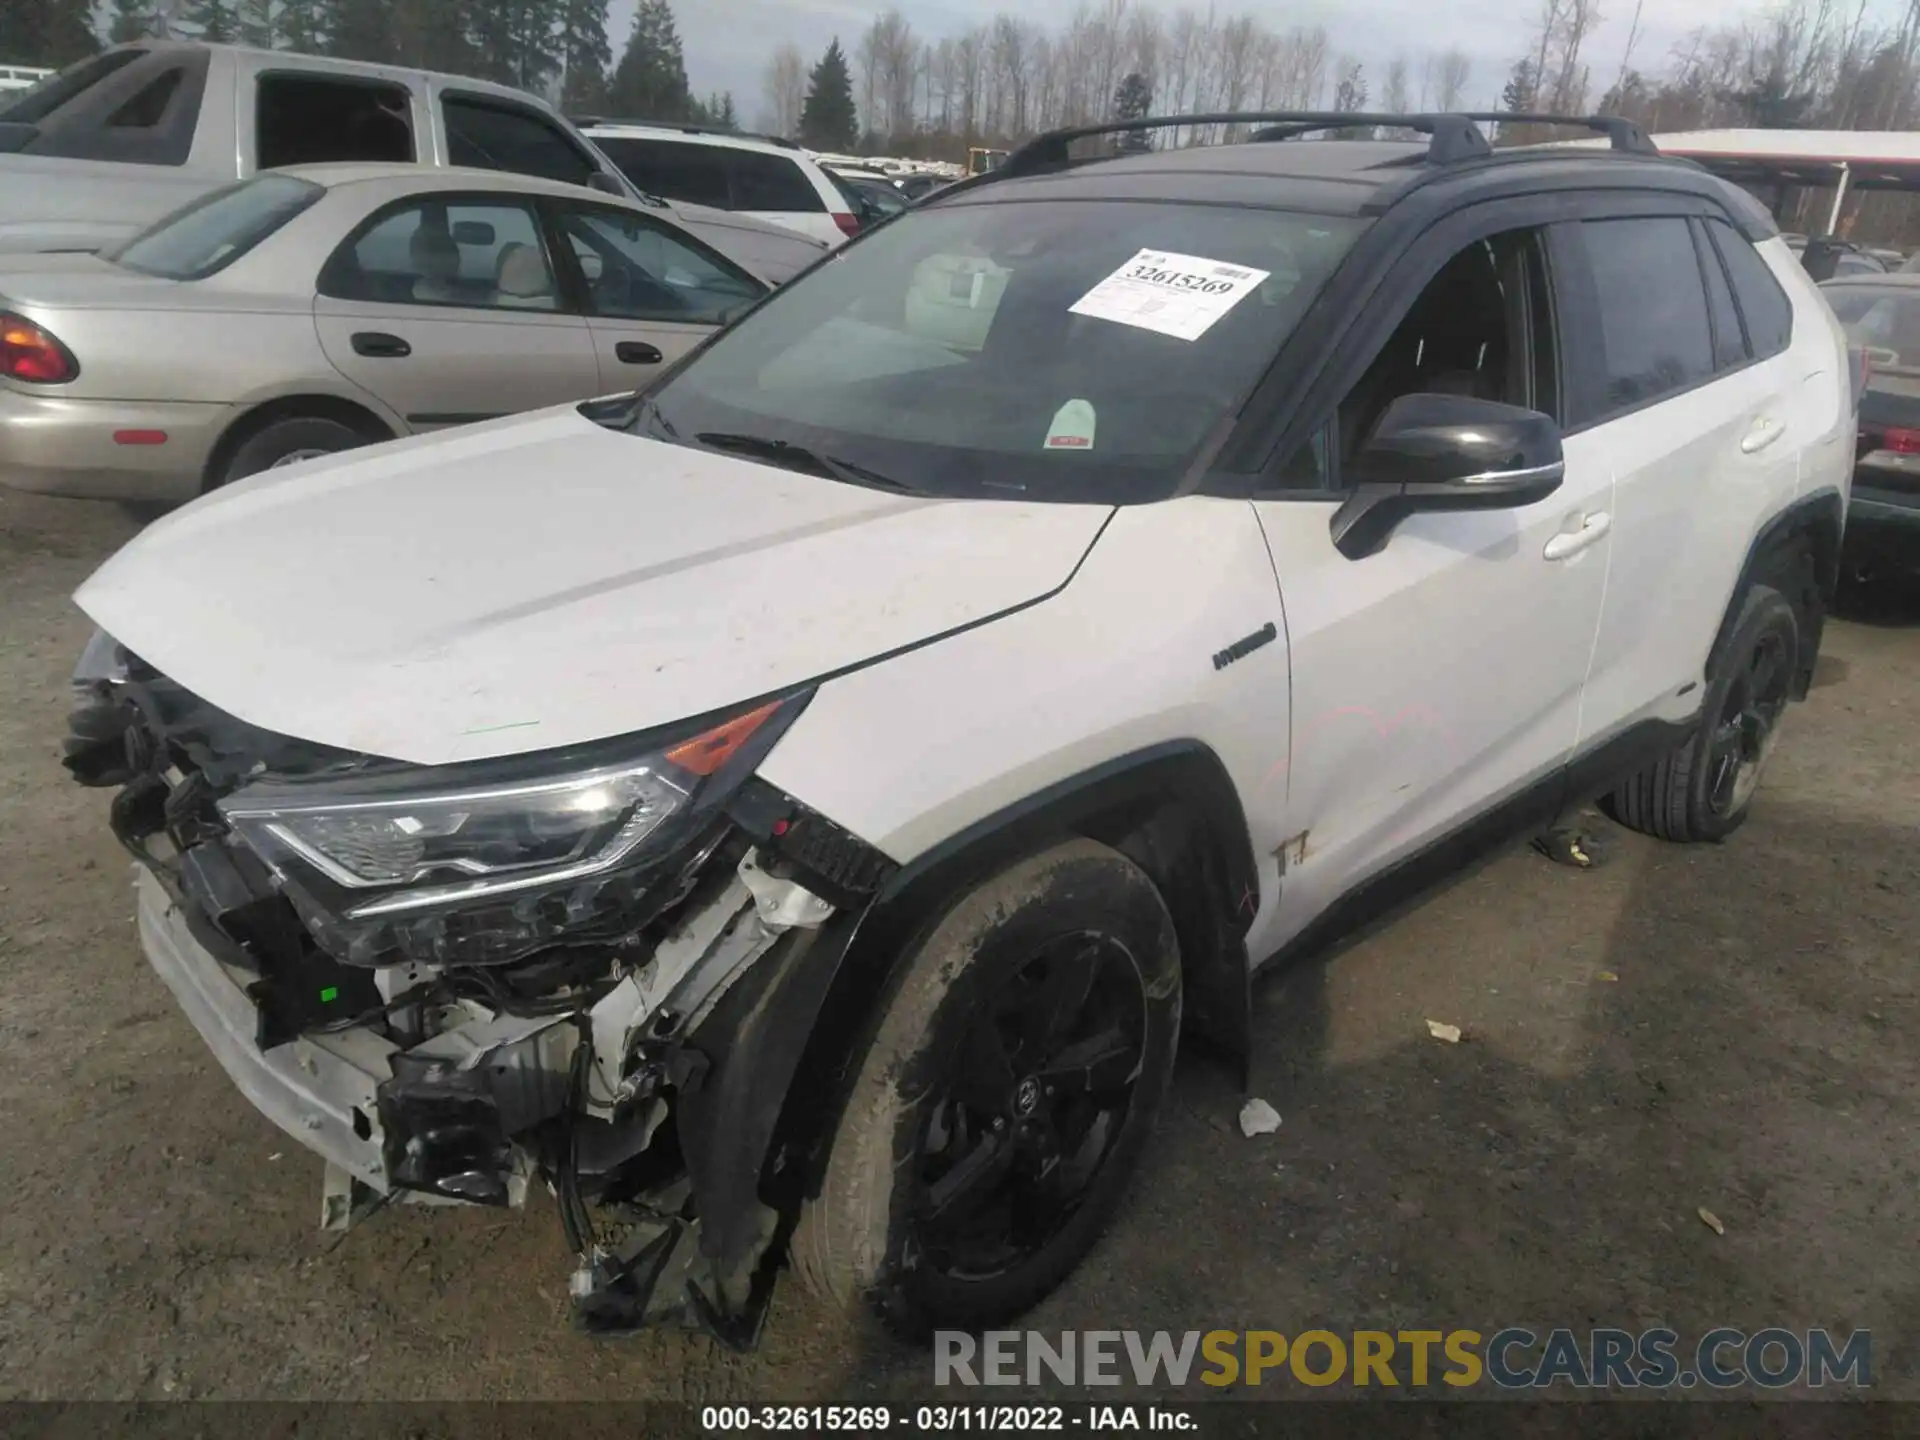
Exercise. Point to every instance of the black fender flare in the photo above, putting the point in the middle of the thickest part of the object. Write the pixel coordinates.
(785, 1040)
(1814, 523)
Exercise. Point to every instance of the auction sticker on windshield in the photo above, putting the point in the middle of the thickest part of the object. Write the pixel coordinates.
(1178, 295)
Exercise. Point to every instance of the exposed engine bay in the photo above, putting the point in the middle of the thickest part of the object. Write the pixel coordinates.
(593, 971)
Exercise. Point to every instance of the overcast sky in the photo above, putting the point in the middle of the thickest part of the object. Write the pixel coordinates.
(727, 41)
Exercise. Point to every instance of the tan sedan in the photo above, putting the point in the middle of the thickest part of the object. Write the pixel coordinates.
(315, 309)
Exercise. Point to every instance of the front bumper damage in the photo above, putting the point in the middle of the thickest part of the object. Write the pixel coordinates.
(640, 1080)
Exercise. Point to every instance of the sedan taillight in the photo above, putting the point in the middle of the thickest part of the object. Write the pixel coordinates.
(29, 353)
(849, 225)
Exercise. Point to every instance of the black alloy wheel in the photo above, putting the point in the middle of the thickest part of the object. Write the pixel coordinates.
(1039, 1094)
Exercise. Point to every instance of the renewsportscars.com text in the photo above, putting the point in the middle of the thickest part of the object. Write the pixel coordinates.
(1510, 1359)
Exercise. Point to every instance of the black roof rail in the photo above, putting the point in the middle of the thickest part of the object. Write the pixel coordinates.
(1623, 134)
(1453, 137)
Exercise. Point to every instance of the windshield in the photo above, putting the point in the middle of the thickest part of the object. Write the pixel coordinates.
(1041, 350)
(217, 229)
(1884, 319)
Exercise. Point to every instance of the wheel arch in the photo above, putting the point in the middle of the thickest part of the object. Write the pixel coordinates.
(1813, 526)
(801, 1021)
(315, 404)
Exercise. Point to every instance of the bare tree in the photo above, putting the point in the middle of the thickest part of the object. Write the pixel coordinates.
(785, 85)
(1450, 85)
(1393, 94)
(1012, 68)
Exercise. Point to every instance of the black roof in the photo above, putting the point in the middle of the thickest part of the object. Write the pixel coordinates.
(1340, 176)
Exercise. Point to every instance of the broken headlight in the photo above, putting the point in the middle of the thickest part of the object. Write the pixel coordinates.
(480, 863)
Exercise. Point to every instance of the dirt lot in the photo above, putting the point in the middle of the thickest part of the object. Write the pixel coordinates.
(1730, 1027)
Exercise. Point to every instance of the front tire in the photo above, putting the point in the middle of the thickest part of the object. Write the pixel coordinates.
(1702, 790)
(1023, 1051)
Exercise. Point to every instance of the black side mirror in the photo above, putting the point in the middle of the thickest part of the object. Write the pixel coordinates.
(1445, 452)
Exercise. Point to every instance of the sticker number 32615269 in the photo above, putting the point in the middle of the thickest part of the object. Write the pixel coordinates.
(1173, 294)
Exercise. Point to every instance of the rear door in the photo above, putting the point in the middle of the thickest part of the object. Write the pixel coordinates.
(449, 309)
(1699, 429)
(651, 291)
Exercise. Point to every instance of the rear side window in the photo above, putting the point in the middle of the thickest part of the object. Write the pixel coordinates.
(1729, 343)
(674, 170)
(217, 229)
(134, 113)
(48, 96)
(771, 182)
(313, 119)
(1653, 309)
(1763, 304)
(499, 137)
(474, 252)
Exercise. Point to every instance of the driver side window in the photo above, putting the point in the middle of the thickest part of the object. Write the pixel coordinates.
(638, 270)
(1483, 327)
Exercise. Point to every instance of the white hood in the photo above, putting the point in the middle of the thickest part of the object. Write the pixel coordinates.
(542, 581)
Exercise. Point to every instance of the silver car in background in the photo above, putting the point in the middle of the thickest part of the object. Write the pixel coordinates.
(319, 308)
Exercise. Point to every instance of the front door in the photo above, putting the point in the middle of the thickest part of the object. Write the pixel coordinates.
(447, 308)
(1441, 675)
(653, 292)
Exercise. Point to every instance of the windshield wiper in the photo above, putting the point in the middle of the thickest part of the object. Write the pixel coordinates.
(790, 456)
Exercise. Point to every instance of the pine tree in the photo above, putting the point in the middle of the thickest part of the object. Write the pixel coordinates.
(46, 32)
(132, 20)
(303, 25)
(650, 83)
(216, 19)
(360, 29)
(584, 55)
(1133, 100)
(253, 23)
(828, 120)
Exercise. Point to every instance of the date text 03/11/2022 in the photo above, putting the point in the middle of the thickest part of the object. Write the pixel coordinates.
(940, 1419)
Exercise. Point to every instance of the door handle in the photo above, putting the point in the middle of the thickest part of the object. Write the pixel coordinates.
(1763, 434)
(377, 346)
(1568, 543)
(637, 352)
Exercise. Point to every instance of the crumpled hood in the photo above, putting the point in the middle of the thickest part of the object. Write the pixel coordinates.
(542, 581)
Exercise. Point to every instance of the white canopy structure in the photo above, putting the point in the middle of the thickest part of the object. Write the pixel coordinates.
(1840, 160)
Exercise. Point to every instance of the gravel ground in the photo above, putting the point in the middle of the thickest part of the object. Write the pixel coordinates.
(1731, 1027)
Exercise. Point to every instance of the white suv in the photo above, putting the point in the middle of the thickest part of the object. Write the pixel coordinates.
(811, 798)
(772, 180)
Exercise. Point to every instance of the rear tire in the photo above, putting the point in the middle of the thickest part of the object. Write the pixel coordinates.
(285, 442)
(1023, 1051)
(1701, 791)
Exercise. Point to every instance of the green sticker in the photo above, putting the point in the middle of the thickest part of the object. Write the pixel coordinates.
(329, 995)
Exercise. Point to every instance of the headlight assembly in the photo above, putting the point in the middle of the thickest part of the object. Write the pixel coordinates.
(465, 843)
(409, 843)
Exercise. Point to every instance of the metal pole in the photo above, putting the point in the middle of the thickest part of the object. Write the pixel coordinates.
(1839, 198)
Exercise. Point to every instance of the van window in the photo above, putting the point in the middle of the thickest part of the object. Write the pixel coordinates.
(500, 137)
(771, 182)
(311, 119)
(1653, 309)
(691, 173)
(1763, 304)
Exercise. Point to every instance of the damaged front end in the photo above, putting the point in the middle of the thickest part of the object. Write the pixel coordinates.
(592, 969)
